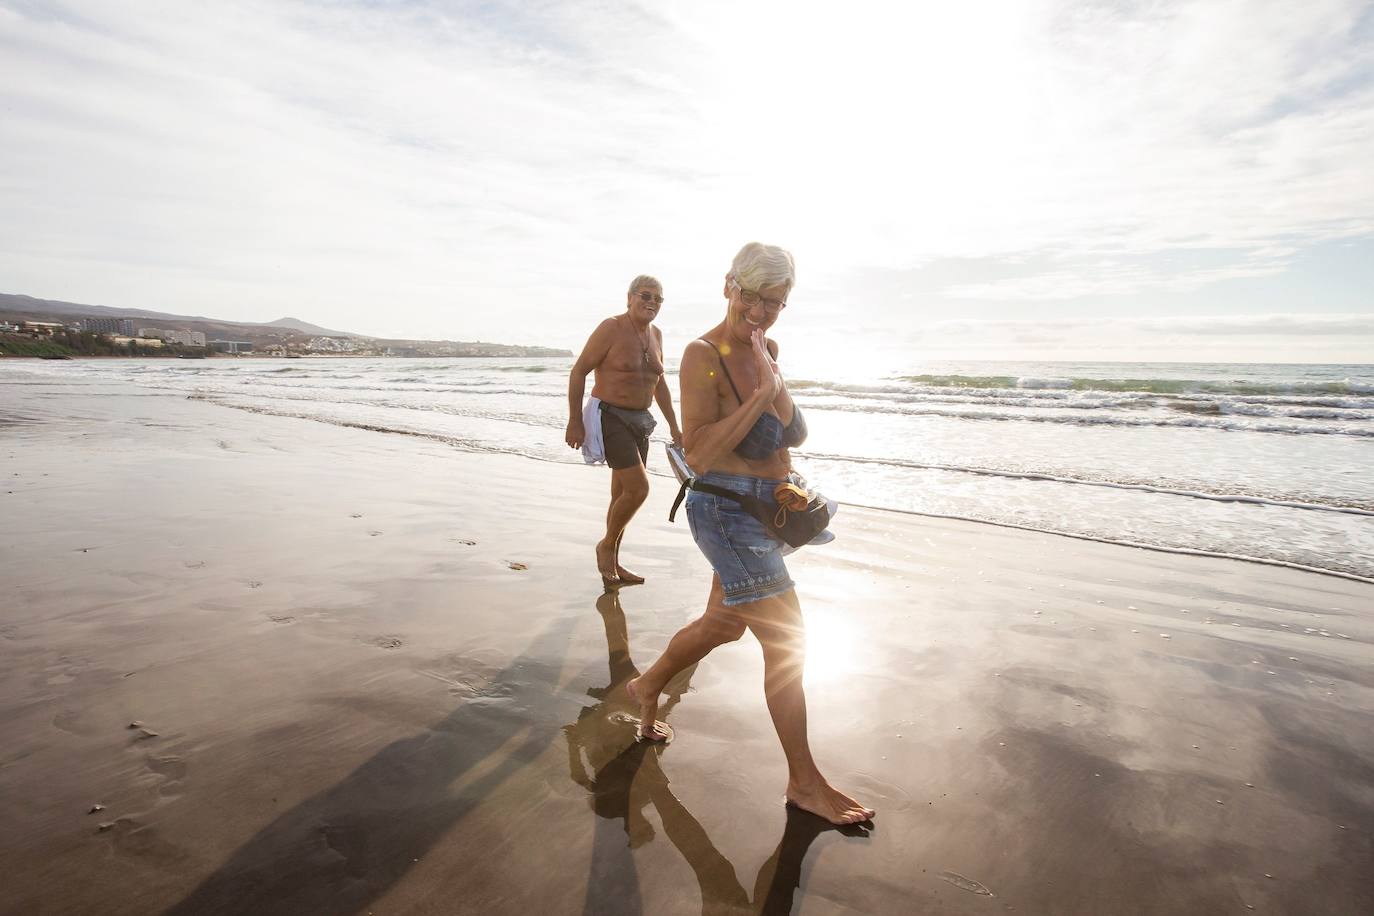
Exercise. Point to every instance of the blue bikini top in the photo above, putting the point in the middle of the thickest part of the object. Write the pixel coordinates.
(767, 435)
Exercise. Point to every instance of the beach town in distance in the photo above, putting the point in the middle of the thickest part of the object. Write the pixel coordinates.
(65, 330)
(715, 459)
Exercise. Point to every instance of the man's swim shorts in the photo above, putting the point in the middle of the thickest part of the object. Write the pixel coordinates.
(625, 435)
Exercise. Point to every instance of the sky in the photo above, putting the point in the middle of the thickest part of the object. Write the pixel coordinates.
(977, 180)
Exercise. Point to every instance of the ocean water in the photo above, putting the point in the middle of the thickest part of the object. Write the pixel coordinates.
(1270, 462)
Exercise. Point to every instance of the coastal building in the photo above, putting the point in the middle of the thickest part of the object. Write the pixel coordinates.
(150, 343)
(45, 328)
(331, 345)
(231, 346)
(184, 338)
(121, 326)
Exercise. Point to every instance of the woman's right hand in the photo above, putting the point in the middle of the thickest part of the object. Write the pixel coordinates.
(770, 376)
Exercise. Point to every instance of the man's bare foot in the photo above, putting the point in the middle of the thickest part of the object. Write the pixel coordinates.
(824, 800)
(648, 712)
(605, 564)
(626, 577)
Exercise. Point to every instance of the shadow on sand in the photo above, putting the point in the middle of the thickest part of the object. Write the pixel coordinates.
(345, 847)
(628, 778)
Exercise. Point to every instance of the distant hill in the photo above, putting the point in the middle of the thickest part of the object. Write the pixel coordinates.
(306, 327)
(289, 335)
(32, 307)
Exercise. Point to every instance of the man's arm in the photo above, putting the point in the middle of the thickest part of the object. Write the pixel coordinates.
(664, 396)
(598, 345)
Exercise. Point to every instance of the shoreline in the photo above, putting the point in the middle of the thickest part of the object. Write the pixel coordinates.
(381, 674)
(1161, 548)
(654, 472)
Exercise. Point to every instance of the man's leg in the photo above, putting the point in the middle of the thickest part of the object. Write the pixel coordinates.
(627, 577)
(624, 575)
(629, 489)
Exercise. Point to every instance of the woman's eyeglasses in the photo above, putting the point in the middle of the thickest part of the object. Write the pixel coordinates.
(751, 299)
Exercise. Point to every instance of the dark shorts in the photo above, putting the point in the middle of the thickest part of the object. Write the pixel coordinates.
(747, 559)
(625, 436)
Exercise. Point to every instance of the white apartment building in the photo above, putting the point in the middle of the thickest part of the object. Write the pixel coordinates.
(185, 338)
(331, 344)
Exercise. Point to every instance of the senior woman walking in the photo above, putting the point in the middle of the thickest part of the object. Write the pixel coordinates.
(738, 423)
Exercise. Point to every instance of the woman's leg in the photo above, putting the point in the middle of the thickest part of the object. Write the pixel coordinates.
(716, 626)
(777, 623)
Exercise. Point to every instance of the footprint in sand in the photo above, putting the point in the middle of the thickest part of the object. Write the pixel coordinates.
(143, 732)
(464, 541)
(141, 841)
(194, 564)
(254, 583)
(964, 883)
(517, 566)
(373, 534)
(281, 618)
(170, 770)
(64, 670)
(385, 642)
(68, 720)
(356, 515)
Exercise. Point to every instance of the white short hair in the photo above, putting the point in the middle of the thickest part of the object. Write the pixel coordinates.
(759, 266)
(645, 280)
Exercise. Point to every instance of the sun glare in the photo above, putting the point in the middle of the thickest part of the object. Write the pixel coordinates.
(831, 647)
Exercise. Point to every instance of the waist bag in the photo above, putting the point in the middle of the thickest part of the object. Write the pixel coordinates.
(793, 515)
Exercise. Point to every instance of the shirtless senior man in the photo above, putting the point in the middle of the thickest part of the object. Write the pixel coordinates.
(626, 353)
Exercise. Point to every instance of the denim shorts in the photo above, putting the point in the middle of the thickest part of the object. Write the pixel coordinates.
(748, 560)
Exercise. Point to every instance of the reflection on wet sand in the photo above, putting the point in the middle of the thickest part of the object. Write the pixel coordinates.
(625, 777)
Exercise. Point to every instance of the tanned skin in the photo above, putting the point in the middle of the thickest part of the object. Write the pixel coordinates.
(626, 354)
(715, 423)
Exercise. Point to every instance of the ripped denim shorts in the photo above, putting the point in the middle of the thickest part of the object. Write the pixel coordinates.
(748, 561)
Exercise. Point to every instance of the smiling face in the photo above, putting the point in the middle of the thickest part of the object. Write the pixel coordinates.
(743, 319)
(643, 302)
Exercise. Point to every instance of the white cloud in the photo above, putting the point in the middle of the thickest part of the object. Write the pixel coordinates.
(499, 171)
(1274, 325)
(1110, 277)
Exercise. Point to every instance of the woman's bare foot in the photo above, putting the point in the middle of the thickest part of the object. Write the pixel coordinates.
(628, 577)
(649, 726)
(824, 800)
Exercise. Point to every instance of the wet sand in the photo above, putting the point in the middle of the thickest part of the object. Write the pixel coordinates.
(378, 674)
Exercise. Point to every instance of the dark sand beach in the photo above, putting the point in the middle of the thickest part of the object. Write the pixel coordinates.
(307, 669)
